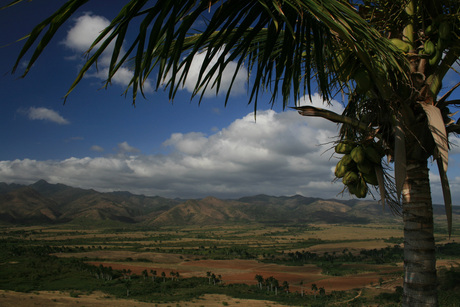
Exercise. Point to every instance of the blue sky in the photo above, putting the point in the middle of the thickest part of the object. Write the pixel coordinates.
(99, 140)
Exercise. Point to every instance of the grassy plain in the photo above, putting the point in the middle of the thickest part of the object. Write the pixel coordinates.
(216, 265)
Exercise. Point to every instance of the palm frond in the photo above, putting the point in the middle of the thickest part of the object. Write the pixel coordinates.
(11, 4)
(438, 131)
(283, 43)
(332, 116)
(399, 157)
(53, 23)
(446, 194)
(381, 180)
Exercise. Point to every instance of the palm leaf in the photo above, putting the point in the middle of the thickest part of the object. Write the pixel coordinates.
(438, 131)
(442, 102)
(304, 34)
(446, 194)
(10, 4)
(54, 22)
(331, 116)
(399, 157)
(381, 180)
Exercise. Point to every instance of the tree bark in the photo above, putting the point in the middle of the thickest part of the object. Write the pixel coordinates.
(420, 281)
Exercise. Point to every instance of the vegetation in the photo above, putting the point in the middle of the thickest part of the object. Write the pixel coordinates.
(30, 268)
(59, 259)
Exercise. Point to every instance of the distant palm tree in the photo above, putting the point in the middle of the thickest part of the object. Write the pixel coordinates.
(213, 277)
(286, 286)
(314, 288)
(260, 280)
(154, 274)
(322, 291)
(128, 286)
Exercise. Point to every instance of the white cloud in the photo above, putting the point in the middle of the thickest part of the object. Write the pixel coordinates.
(317, 101)
(239, 83)
(122, 77)
(454, 144)
(279, 154)
(80, 38)
(191, 143)
(86, 29)
(96, 148)
(45, 114)
(126, 148)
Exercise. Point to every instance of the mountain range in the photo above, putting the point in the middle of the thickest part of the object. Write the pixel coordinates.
(45, 203)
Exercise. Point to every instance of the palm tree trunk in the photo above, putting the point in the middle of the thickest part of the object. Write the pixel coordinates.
(419, 246)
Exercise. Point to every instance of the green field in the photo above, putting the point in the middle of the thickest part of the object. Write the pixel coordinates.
(300, 265)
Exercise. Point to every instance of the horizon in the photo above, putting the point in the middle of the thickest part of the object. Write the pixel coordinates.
(212, 196)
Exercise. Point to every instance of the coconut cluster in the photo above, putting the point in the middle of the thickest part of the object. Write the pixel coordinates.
(357, 166)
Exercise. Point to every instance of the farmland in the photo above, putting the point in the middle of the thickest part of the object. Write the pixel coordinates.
(291, 264)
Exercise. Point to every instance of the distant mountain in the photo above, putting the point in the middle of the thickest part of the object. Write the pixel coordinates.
(45, 203)
(25, 205)
(19, 202)
(207, 211)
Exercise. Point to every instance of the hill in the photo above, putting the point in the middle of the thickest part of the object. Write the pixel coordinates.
(20, 204)
(45, 203)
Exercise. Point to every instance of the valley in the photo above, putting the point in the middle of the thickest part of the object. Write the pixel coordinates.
(60, 244)
(340, 260)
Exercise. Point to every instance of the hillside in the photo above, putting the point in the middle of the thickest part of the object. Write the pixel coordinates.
(45, 203)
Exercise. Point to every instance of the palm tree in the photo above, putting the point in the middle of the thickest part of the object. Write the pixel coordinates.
(387, 58)
(314, 288)
(260, 280)
(322, 291)
(286, 286)
(128, 284)
(214, 277)
(154, 274)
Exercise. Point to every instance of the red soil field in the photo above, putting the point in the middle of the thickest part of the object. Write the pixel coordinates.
(244, 271)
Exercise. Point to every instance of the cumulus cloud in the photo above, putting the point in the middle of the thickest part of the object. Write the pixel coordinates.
(454, 145)
(86, 29)
(80, 38)
(317, 101)
(44, 114)
(126, 148)
(239, 83)
(279, 154)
